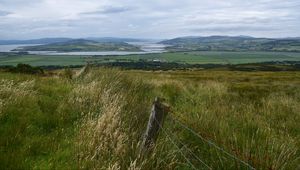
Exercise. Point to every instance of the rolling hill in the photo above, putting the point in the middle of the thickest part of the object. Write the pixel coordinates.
(227, 43)
(79, 45)
(115, 39)
(35, 41)
(58, 40)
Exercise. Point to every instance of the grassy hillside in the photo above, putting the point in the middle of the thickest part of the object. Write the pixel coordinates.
(226, 43)
(57, 40)
(81, 45)
(97, 121)
(34, 41)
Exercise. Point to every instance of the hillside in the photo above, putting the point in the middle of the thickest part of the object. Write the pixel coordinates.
(227, 43)
(34, 41)
(79, 45)
(97, 121)
(115, 39)
(57, 40)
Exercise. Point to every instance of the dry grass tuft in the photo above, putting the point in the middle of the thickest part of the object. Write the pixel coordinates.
(12, 92)
(101, 136)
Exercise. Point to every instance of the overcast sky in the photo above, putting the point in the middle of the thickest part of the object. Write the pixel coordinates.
(25, 19)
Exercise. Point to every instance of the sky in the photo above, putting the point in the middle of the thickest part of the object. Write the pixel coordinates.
(156, 19)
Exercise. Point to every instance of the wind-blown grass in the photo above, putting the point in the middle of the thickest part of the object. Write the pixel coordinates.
(97, 121)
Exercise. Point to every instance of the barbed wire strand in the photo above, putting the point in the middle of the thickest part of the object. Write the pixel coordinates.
(192, 152)
(211, 143)
(170, 139)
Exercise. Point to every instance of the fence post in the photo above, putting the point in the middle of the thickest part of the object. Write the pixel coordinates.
(158, 113)
(83, 71)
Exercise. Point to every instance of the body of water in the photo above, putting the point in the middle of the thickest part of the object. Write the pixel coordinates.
(147, 47)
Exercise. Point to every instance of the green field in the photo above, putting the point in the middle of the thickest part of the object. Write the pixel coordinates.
(180, 57)
(40, 60)
(218, 57)
(97, 121)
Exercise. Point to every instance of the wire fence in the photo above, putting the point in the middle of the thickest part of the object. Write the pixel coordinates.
(211, 143)
(168, 134)
(155, 123)
(171, 137)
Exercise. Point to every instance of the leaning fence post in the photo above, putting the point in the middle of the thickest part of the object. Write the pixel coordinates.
(83, 71)
(158, 113)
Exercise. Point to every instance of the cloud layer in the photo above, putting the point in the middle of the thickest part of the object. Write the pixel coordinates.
(23, 19)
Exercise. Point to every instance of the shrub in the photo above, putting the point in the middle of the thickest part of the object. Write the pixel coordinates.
(26, 69)
(67, 73)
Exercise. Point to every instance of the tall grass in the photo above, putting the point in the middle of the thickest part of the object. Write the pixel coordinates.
(238, 125)
(97, 121)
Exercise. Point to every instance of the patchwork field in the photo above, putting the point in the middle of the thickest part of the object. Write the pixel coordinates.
(178, 57)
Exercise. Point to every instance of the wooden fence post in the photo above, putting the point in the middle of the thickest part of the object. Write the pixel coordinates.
(83, 71)
(158, 113)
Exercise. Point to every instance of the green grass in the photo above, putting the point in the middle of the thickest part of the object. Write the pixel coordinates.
(40, 60)
(181, 57)
(97, 121)
(34, 134)
(218, 57)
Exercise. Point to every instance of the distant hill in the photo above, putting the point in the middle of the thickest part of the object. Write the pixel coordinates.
(34, 41)
(57, 40)
(81, 45)
(227, 43)
(114, 39)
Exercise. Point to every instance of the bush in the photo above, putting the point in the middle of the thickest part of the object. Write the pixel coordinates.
(26, 69)
(67, 73)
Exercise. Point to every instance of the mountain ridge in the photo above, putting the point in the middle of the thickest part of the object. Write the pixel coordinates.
(63, 39)
(80, 45)
(232, 43)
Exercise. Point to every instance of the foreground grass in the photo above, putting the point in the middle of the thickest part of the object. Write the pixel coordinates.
(97, 121)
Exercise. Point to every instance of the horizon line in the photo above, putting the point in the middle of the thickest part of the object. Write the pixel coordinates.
(143, 38)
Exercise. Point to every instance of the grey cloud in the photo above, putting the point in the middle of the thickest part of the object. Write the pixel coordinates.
(153, 19)
(279, 5)
(228, 29)
(4, 13)
(12, 4)
(108, 10)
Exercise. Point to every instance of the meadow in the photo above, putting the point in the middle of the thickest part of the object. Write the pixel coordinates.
(97, 120)
(197, 57)
(40, 60)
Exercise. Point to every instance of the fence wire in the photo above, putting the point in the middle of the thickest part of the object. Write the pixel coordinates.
(211, 143)
(191, 152)
(177, 147)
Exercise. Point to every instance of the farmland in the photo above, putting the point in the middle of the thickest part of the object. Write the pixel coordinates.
(200, 57)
